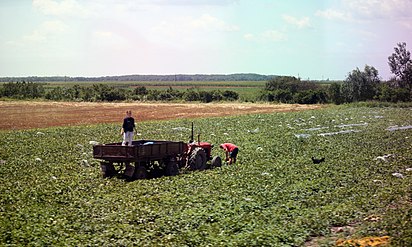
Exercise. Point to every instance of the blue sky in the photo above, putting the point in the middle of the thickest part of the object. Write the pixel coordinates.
(310, 39)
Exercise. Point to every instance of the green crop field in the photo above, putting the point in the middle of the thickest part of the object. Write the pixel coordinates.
(52, 192)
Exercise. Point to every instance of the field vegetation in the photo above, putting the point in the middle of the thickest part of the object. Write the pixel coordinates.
(52, 192)
(129, 91)
(283, 89)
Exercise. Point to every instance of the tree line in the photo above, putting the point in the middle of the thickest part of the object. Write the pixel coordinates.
(363, 85)
(103, 92)
(289, 89)
(359, 85)
(175, 77)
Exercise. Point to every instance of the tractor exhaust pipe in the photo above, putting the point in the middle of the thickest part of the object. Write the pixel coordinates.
(191, 137)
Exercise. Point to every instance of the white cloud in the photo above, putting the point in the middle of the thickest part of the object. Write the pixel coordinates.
(208, 22)
(367, 34)
(185, 2)
(109, 40)
(46, 30)
(183, 31)
(273, 35)
(303, 22)
(35, 36)
(205, 22)
(60, 8)
(266, 36)
(102, 34)
(369, 10)
(332, 14)
(249, 37)
(406, 23)
(380, 8)
(131, 6)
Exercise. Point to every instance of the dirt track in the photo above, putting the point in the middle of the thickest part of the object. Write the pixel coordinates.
(26, 115)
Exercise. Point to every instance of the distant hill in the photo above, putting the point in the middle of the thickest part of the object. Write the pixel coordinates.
(177, 77)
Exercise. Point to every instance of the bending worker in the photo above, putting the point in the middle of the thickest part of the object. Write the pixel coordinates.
(231, 151)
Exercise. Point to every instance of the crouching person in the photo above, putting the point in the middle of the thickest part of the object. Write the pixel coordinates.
(127, 129)
(231, 151)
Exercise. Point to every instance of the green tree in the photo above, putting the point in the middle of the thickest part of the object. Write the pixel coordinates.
(335, 93)
(55, 94)
(289, 83)
(140, 90)
(216, 95)
(282, 95)
(361, 85)
(191, 95)
(400, 64)
(23, 90)
(114, 94)
(230, 95)
(205, 96)
(393, 94)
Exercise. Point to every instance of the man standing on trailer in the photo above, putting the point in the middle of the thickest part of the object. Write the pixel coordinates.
(127, 129)
(231, 151)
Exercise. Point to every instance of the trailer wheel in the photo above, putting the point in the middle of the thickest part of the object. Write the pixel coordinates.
(140, 172)
(108, 169)
(156, 170)
(216, 162)
(197, 159)
(129, 170)
(172, 167)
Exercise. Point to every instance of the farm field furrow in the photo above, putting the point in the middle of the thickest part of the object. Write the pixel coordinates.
(28, 114)
(52, 192)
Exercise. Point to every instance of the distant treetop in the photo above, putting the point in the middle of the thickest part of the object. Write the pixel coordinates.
(175, 77)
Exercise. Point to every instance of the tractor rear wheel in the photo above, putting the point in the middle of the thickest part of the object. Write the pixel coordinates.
(216, 162)
(197, 159)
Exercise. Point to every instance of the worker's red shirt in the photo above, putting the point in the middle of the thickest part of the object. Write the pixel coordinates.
(228, 146)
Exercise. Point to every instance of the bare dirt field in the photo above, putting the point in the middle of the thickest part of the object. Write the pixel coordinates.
(27, 114)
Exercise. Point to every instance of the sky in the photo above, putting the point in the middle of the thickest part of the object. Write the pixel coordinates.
(310, 39)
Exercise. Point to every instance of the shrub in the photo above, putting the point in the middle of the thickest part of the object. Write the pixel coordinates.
(391, 94)
(141, 90)
(230, 95)
(191, 95)
(22, 90)
(287, 89)
(310, 97)
(335, 93)
(205, 97)
(114, 94)
(55, 94)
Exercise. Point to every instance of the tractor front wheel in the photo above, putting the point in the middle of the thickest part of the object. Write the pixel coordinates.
(216, 162)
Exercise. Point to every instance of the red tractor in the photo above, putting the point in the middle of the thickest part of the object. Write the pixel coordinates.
(198, 154)
(149, 158)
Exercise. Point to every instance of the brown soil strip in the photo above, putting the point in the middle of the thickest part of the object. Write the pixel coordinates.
(27, 114)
